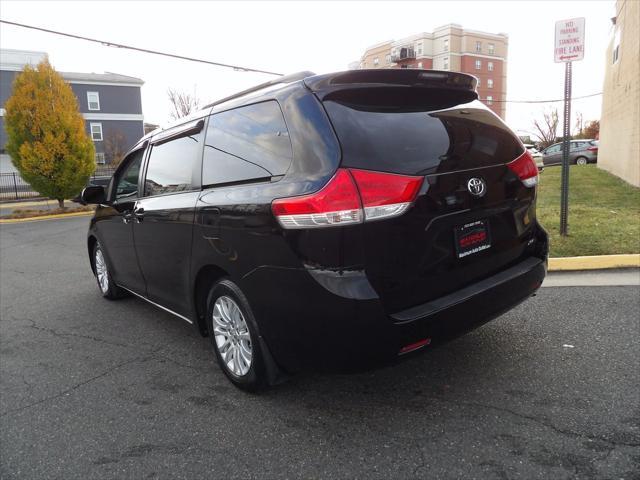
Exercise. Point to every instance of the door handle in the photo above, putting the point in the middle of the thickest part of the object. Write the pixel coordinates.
(139, 214)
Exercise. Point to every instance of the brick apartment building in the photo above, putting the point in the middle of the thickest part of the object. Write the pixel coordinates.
(453, 48)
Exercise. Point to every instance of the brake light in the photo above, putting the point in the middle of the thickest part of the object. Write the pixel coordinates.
(593, 149)
(350, 197)
(385, 195)
(337, 203)
(525, 167)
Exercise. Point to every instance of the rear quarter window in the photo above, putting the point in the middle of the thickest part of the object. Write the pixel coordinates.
(246, 144)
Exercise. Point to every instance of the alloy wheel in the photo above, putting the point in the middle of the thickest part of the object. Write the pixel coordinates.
(232, 336)
(102, 273)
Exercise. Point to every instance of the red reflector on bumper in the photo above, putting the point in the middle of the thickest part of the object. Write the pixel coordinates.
(414, 346)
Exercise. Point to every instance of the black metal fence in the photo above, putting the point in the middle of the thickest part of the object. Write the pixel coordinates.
(14, 187)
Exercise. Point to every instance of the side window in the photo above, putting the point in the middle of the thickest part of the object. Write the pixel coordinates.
(172, 164)
(245, 144)
(127, 186)
(554, 149)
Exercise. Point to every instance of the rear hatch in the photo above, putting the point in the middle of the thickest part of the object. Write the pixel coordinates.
(437, 129)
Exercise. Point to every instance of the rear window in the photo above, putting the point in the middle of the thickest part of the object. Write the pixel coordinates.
(246, 144)
(413, 141)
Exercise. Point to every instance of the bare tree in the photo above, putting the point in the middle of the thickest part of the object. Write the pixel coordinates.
(592, 129)
(546, 130)
(183, 103)
(579, 125)
(115, 144)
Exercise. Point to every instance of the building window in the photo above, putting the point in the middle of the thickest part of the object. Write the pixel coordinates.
(616, 45)
(100, 158)
(419, 64)
(478, 64)
(478, 47)
(387, 59)
(96, 132)
(492, 49)
(375, 62)
(478, 84)
(490, 83)
(93, 100)
(445, 63)
(490, 66)
(489, 100)
(446, 44)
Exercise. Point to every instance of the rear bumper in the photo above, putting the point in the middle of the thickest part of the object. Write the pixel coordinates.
(308, 327)
(459, 312)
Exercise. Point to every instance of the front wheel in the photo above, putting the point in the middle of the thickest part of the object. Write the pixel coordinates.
(105, 282)
(234, 336)
(581, 161)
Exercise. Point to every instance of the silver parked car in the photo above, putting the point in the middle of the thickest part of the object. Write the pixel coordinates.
(537, 156)
(581, 152)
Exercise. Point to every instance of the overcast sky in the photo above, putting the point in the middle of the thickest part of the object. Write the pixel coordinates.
(289, 37)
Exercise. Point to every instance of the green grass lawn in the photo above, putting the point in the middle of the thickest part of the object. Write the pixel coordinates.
(604, 212)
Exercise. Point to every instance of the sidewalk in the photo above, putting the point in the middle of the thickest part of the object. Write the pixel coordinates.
(43, 205)
(593, 278)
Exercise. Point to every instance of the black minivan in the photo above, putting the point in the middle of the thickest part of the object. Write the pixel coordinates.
(325, 221)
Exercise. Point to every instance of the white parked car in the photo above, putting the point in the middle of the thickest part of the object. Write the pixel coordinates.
(537, 156)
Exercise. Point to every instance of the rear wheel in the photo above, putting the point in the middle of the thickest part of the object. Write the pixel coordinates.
(103, 276)
(581, 161)
(233, 336)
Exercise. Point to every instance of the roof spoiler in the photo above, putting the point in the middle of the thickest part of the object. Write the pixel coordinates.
(392, 78)
(280, 80)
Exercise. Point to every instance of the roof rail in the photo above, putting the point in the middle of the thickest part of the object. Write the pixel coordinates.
(284, 79)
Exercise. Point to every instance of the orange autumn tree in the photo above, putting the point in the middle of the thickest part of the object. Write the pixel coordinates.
(46, 136)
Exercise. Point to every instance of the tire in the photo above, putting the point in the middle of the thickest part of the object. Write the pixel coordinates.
(582, 161)
(234, 337)
(107, 286)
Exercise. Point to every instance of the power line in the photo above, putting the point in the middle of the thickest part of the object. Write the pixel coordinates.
(547, 101)
(218, 64)
(144, 50)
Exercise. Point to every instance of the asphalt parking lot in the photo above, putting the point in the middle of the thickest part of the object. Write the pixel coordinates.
(97, 389)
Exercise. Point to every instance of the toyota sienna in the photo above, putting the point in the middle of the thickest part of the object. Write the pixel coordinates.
(325, 221)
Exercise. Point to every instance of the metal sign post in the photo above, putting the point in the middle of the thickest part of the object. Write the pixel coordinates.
(566, 144)
(569, 46)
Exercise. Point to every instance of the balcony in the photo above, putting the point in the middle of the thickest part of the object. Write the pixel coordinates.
(405, 53)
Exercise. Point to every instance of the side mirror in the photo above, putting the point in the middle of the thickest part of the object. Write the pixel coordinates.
(93, 194)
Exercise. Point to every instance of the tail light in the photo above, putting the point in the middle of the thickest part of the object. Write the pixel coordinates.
(350, 197)
(385, 195)
(593, 149)
(525, 168)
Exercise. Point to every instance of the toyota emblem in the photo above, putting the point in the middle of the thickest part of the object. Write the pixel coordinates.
(477, 187)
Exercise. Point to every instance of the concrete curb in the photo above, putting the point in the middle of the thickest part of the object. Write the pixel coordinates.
(598, 262)
(6, 221)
